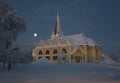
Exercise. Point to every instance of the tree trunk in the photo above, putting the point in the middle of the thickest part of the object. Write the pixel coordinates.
(3, 64)
(9, 66)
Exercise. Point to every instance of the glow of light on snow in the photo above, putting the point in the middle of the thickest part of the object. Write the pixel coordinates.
(35, 34)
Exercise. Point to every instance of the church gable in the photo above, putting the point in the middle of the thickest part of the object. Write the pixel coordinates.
(64, 41)
(55, 42)
(40, 44)
(47, 43)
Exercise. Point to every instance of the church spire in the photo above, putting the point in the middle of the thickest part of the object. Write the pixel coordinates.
(57, 32)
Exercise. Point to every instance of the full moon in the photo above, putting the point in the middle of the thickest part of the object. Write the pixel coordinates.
(35, 34)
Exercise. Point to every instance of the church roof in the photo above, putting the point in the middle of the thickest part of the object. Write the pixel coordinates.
(81, 39)
(78, 39)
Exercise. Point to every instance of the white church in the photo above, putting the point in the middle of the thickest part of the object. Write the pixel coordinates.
(73, 48)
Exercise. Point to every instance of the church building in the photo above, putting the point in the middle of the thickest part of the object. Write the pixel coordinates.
(73, 48)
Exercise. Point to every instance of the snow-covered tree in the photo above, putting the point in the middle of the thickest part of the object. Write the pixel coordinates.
(10, 26)
(113, 57)
(21, 56)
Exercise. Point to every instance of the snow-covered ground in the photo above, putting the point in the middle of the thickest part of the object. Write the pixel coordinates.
(44, 71)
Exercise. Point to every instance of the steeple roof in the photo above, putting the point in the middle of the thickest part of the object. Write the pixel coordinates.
(57, 32)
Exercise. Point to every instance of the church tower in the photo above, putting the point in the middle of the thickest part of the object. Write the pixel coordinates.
(57, 32)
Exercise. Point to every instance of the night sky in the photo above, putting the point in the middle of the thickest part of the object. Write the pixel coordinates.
(99, 19)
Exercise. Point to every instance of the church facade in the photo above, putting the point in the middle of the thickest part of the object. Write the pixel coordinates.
(73, 48)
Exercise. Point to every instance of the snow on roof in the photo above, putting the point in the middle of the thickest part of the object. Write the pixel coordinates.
(49, 41)
(43, 42)
(77, 39)
(81, 39)
(59, 40)
(91, 42)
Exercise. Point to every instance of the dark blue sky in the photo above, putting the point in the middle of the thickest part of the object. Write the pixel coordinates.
(99, 19)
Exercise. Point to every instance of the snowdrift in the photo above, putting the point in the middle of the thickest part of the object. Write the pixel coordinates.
(42, 61)
(109, 61)
(39, 72)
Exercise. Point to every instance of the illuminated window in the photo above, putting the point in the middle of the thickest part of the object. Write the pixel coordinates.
(47, 52)
(55, 51)
(64, 51)
(40, 52)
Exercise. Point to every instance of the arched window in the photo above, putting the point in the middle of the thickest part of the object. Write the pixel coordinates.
(64, 51)
(40, 52)
(55, 51)
(78, 52)
(47, 52)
